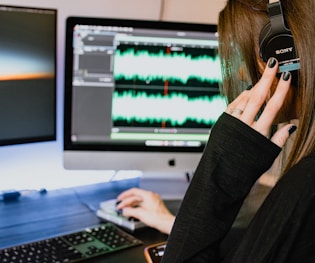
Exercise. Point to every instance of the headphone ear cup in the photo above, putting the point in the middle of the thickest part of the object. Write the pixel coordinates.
(276, 40)
(280, 46)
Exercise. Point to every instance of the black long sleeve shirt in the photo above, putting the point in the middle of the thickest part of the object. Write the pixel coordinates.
(283, 229)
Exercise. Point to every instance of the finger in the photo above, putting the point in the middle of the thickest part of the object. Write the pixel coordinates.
(283, 134)
(133, 191)
(274, 105)
(239, 103)
(130, 192)
(260, 92)
(129, 202)
(133, 212)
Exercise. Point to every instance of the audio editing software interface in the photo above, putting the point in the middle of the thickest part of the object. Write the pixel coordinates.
(144, 86)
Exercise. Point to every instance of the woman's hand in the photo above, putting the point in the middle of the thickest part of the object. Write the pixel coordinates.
(148, 207)
(247, 105)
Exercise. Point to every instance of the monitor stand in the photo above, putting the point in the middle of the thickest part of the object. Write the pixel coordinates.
(170, 186)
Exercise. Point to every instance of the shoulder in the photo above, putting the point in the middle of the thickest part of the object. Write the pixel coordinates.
(300, 179)
(305, 169)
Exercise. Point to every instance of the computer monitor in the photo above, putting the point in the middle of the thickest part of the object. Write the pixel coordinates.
(139, 95)
(27, 75)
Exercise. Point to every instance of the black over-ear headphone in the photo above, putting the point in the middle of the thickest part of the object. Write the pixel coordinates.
(276, 40)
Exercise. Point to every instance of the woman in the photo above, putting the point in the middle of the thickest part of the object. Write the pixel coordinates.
(239, 150)
(243, 145)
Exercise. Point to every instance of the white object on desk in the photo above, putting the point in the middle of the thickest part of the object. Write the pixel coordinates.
(108, 212)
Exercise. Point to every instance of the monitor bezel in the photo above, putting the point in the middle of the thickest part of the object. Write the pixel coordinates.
(150, 24)
(53, 136)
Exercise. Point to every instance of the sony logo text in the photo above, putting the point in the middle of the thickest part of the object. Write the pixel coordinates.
(284, 50)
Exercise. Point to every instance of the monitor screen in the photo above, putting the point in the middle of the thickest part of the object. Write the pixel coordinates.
(139, 94)
(27, 75)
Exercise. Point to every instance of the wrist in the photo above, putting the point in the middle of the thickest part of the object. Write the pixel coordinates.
(165, 223)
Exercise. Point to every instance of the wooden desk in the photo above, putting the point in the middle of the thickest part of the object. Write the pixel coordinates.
(37, 216)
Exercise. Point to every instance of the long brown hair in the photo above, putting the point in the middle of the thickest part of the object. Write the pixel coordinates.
(240, 23)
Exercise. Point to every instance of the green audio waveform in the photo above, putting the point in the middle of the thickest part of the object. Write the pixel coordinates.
(174, 108)
(146, 66)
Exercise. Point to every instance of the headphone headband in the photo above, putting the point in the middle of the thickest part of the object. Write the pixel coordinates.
(276, 40)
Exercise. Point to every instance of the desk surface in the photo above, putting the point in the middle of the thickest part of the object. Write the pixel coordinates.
(38, 216)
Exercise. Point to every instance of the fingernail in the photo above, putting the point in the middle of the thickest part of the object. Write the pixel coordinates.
(272, 62)
(249, 87)
(286, 76)
(292, 129)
